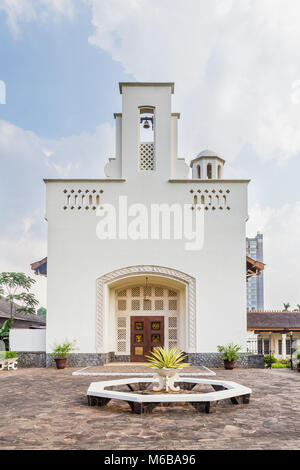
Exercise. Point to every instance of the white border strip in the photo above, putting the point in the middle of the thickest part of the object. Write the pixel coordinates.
(138, 374)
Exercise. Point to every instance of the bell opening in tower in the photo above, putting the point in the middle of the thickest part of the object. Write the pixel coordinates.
(146, 139)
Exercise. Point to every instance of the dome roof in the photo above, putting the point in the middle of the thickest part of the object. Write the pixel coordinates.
(207, 153)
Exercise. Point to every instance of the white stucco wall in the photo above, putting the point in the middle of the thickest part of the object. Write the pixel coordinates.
(76, 257)
(22, 339)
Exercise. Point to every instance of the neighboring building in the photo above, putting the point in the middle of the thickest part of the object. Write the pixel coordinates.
(119, 297)
(255, 285)
(40, 267)
(21, 319)
(274, 331)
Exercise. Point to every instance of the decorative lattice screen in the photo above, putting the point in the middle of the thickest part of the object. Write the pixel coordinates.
(121, 334)
(146, 157)
(141, 300)
(172, 332)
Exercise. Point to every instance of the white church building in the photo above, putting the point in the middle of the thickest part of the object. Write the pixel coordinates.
(154, 254)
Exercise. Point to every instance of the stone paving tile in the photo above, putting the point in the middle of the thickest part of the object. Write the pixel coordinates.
(47, 409)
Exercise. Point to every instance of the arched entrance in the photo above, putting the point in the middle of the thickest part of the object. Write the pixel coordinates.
(147, 315)
(140, 307)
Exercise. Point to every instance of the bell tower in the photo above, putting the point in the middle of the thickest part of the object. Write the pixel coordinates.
(146, 134)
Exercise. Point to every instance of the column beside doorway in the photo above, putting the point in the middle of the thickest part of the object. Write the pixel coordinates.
(283, 352)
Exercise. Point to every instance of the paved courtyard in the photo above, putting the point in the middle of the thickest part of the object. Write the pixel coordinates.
(47, 409)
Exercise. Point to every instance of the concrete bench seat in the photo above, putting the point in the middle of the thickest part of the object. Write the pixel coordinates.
(99, 395)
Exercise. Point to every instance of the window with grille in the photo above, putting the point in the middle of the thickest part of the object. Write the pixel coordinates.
(259, 346)
(121, 334)
(266, 346)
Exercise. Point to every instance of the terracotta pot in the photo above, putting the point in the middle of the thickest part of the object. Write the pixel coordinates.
(229, 365)
(60, 363)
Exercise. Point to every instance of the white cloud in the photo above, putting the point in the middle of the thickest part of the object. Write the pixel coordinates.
(28, 159)
(281, 228)
(234, 64)
(20, 11)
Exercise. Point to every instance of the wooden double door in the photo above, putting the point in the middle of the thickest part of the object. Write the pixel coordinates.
(146, 333)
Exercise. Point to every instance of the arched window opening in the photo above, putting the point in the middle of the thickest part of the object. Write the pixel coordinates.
(146, 138)
(199, 171)
(209, 171)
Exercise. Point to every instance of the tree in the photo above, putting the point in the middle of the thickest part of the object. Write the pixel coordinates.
(15, 288)
(4, 331)
(286, 306)
(42, 312)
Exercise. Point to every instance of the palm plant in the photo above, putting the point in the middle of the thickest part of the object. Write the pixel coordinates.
(229, 353)
(286, 306)
(161, 358)
(64, 350)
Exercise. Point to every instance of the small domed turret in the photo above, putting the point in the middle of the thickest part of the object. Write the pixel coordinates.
(207, 165)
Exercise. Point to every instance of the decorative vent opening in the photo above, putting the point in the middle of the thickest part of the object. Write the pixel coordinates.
(121, 305)
(79, 199)
(146, 156)
(122, 293)
(172, 293)
(147, 291)
(159, 304)
(147, 305)
(121, 334)
(135, 291)
(159, 292)
(135, 304)
(173, 304)
(172, 332)
(210, 199)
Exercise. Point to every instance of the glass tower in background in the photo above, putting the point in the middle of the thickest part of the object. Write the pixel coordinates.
(255, 285)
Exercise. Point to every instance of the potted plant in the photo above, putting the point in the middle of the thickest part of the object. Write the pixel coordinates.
(166, 362)
(229, 354)
(61, 352)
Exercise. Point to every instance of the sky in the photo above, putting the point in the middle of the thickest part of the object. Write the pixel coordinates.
(236, 69)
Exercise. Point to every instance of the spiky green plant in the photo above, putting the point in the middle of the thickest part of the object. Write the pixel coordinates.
(229, 352)
(64, 350)
(172, 358)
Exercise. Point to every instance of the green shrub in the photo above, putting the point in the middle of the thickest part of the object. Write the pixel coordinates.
(11, 355)
(278, 365)
(269, 358)
(287, 362)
